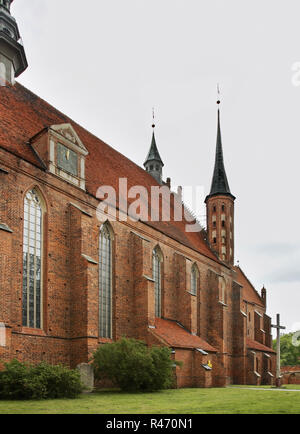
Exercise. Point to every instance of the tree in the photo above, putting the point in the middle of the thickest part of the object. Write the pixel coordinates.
(133, 366)
(289, 352)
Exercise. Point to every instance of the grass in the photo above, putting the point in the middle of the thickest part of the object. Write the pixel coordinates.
(284, 386)
(182, 401)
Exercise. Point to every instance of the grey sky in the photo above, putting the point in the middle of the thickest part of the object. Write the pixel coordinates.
(106, 63)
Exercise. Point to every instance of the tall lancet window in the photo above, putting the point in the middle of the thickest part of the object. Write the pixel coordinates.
(105, 282)
(194, 279)
(157, 260)
(32, 313)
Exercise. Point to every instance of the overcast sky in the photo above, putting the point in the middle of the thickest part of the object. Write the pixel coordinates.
(106, 63)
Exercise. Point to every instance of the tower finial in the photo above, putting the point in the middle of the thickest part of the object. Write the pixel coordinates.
(219, 93)
(153, 116)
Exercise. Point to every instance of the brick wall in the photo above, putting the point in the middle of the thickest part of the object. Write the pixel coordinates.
(70, 330)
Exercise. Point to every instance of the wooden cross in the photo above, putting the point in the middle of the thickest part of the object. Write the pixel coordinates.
(278, 327)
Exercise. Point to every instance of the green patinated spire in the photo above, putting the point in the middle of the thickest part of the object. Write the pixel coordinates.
(12, 55)
(153, 163)
(153, 154)
(6, 4)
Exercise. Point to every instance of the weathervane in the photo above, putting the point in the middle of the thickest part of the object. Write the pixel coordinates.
(153, 116)
(219, 93)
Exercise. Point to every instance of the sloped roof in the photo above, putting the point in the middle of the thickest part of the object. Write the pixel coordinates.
(253, 345)
(290, 368)
(178, 337)
(23, 115)
(249, 292)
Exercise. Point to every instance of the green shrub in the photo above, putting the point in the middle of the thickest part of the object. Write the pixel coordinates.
(17, 382)
(132, 366)
(59, 381)
(44, 381)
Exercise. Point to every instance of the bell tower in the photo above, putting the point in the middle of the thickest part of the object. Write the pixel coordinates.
(220, 207)
(12, 55)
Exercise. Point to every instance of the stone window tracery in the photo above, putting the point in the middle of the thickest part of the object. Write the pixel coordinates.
(105, 282)
(32, 298)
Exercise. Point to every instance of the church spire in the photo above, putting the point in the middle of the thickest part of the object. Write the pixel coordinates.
(12, 55)
(153, 163)
(220, 207)
(219, 183)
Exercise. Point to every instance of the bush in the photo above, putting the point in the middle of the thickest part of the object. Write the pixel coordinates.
(59, 381)
(44, 381)
(132, 366)
(17, 382)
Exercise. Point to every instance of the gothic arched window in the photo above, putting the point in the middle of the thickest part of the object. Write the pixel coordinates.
(157, 259)
(105, 282)
(194, 279)
(32, 300)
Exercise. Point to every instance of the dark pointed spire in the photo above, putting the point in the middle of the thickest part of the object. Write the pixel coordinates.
(219, 185)
(153, 163)
(153, 153)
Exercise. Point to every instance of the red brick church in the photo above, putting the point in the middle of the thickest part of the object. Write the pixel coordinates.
(72, 279)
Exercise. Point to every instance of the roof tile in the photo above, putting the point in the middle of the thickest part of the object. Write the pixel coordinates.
(249, 292)
(23, 115)
(178, 337)
(253, 345)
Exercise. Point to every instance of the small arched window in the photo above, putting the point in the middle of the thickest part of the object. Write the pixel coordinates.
(32, 299)
(157, 260)
(194, 279)
(105, 282)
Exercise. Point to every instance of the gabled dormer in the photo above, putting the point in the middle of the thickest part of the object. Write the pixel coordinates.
(62, 152)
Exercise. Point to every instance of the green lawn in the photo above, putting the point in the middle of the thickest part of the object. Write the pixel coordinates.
(284, 387)
(183, 401)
